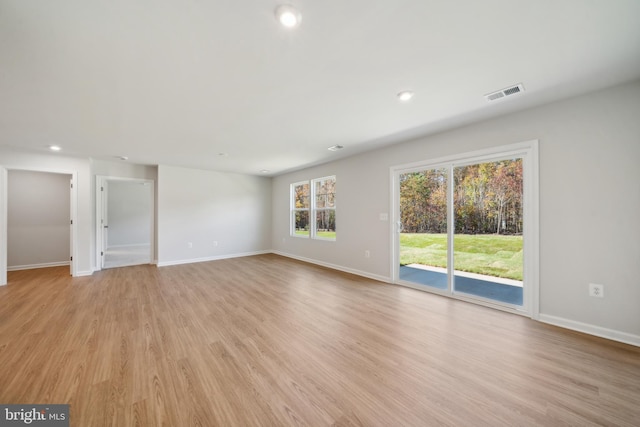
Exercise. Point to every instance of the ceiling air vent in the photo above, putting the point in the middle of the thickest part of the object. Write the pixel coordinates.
(505, 92)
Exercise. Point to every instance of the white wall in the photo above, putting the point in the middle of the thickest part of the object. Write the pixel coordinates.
(129, 213)
(38, 219)
(589, 205)
(123, 169)
(203, 207)
(11, 159)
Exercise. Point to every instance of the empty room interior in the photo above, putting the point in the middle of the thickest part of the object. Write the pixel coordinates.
(370, 213)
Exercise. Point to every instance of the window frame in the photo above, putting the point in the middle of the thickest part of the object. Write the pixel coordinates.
(315, 209)
(312, 208)
(293, 209)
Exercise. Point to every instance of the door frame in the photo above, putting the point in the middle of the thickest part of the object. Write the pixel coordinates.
(531, 236)
(101, 207)
(4, 216)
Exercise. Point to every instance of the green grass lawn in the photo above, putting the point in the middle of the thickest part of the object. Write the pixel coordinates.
(490, 254)
(323, 234)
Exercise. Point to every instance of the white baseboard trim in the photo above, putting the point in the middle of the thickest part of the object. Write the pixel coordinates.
(598, 331)
(83, 273)
(335, 267)
(33, 266)
(212, 258)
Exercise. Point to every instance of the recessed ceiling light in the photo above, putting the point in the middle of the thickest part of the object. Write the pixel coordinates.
(265, 171)
(288, 16)
(335, 148)
(405, 96)
(122, 157)
(55, 148)
(223, 154)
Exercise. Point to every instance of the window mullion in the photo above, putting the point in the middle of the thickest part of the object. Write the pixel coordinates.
(312, 208)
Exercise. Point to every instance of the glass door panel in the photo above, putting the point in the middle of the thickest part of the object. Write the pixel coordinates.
(423, 242)
(488, 230)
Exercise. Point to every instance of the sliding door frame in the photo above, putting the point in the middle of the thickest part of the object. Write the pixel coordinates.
(528, 151)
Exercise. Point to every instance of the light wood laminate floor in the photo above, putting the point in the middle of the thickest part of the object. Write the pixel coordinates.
(266, 340)
(124, 256)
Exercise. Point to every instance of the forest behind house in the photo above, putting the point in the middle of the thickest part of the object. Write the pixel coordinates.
(487, 199)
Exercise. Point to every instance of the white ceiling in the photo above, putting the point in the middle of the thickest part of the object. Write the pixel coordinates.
(178, 82)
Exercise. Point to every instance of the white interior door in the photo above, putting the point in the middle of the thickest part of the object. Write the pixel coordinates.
(71, 260)
(104, 228)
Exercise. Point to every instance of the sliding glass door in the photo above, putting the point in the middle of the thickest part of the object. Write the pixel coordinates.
(423, 239)
(461, 226)
(487, 231)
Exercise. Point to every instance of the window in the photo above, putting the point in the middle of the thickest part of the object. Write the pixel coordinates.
(313, 208)
(300, 209)
(324, 209)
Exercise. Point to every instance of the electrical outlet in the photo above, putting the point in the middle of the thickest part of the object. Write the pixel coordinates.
(596, 290)
(190, 245)
(215, 243)
(367, 254)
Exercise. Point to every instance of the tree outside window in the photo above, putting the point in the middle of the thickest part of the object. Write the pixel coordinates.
(313, 208)
(325, 207)
(300, 209)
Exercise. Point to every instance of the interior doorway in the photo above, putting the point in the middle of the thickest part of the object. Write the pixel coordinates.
(125, 221)
(37, 219)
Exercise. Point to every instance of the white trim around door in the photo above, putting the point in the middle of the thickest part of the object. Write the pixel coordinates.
(73, 214)
(101, 206)
(528, 152)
